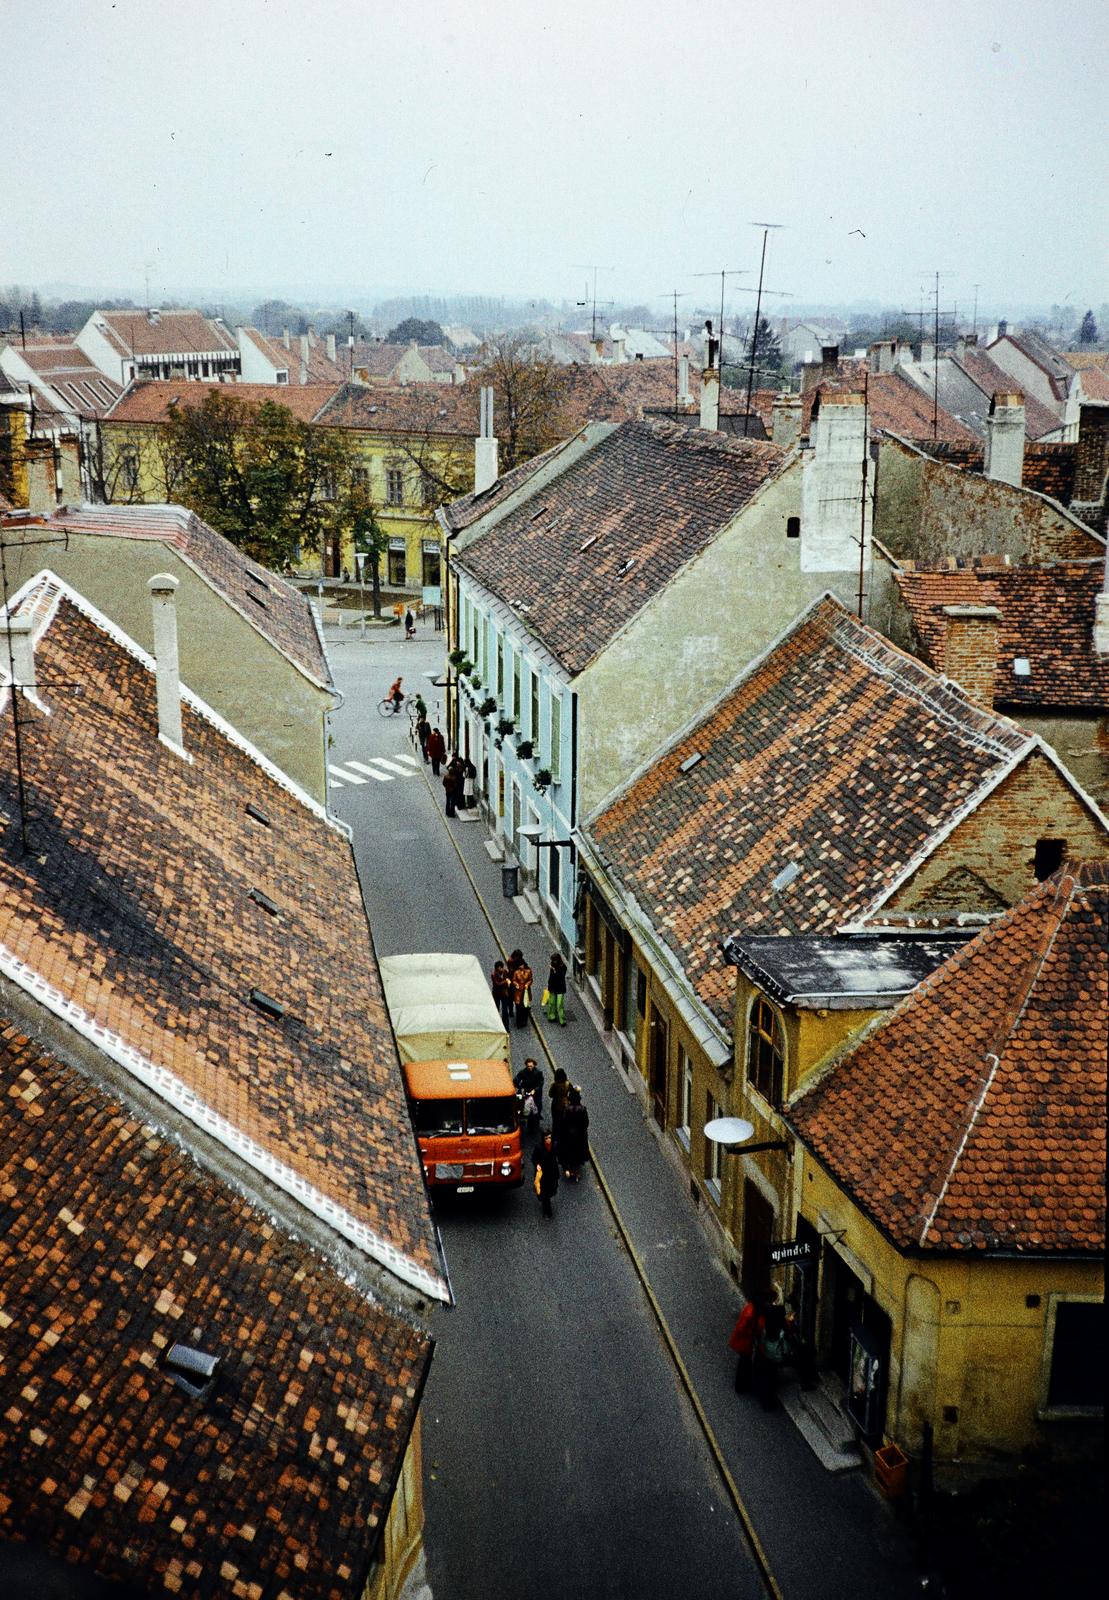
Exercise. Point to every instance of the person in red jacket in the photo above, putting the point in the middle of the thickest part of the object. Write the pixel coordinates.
(436, 750)
(744, 1337)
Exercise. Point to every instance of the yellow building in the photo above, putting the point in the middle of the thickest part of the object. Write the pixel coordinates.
(950, 1167)
(13, 448)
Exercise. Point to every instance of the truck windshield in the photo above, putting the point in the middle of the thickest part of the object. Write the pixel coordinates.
(438, 1118)
(491, 1116)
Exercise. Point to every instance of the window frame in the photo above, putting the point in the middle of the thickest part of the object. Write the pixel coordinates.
(683, 1128)
(394, 486)
(773, 1092)
(554, 760)
(1045, 1410)
(713, 1161)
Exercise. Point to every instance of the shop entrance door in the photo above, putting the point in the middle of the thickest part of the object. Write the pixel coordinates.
(758, 1236)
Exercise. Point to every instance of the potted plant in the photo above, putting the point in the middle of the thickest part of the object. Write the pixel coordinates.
(456, 657)
(464, 667)
(505, 726)
(542, 780)
(475, 681)
(486, 706)
(525, 749)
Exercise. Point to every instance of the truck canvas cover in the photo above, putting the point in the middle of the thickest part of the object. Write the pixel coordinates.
(442, 1008)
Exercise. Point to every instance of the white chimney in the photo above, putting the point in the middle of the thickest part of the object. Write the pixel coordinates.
(1101, 615)
(1005, 438)
(163, 591)
(684, 396)
(304, 358)
(596, 351)
(285, 339)
(22, 645)
(485, 447)
(619, 348)
(710, 384)
(927, 350)
(833, 512)
(881, 355)
(331, 347)
(786, 414)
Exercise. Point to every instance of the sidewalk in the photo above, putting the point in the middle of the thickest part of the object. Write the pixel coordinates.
(825, 1536)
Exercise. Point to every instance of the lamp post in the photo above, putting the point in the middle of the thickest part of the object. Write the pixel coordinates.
(734, 1132)
(360, 563)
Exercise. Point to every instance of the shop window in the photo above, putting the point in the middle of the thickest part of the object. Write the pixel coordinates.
(765, 1052)
(1076, 1363)
(397, 568)
(430, 565)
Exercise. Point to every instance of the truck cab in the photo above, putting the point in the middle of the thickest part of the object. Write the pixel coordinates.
(467, 1123)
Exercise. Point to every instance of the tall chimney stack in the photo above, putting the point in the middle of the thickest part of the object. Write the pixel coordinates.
(331, 347)
(829, 362)
(163, 593)
(970, 649)
(304, 358)
(684, 396)
(485, 447)
(18, 631)
(786, 414)
(1005, 438)
(285, 339)
(710, 383)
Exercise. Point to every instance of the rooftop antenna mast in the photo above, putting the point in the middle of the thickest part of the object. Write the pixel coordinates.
(760, 294)
(675, 295)
(935, 346)
(593, 299)
(974, 324)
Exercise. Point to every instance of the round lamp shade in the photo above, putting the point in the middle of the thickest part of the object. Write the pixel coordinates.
(728, 1130)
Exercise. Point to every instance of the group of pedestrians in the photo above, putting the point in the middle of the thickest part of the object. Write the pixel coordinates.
(766, 1338)
(458, 784)
(511, 982)
(563, 1148)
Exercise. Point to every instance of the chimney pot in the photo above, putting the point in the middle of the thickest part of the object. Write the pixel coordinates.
(829, 360)
(970, 649)
(163, 594)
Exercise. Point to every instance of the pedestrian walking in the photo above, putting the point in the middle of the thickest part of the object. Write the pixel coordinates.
(421, 707)
(469, 774)
(436, 751)
(555, 1005)
(573, 1138)
(742, 1341)
(545, 1162)
(423, 734)
(501, 985)
(452, 785)
(529, 1086)
(521, 991)
(409, 624)
(770, 1351)
(560, 1090)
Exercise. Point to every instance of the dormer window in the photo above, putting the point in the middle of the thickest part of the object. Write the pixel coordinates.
(765, 1051)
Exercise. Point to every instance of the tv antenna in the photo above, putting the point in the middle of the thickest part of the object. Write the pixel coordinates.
(936, 314)
(675, 295)
(784, 294)
(588, 267)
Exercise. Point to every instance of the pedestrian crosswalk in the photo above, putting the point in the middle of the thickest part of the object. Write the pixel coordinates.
(383, 769)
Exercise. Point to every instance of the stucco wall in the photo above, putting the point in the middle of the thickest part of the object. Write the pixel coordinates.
(223, 659)
(997, 843)
(692, 639)
(1081, 741)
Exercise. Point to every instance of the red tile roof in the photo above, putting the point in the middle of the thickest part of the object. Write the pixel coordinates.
(164, 333)
(896, 405)
(138, 907)
(437, 408)
(148, 400)
(992, 379)
(984, 1091)
(123, 1245)
(269, 605)
(1047, 617)
(1048, 468)
(836, 754)
(321, 369)
(613, 528)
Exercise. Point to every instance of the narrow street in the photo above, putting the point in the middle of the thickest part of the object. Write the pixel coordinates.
(561, 1452)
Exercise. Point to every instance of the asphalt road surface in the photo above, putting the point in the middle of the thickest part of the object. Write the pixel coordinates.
(561, 1456)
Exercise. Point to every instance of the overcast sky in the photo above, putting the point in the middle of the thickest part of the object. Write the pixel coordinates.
(500, 145)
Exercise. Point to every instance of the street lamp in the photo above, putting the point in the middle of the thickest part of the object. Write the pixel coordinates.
(733, 1133)
(360, 563)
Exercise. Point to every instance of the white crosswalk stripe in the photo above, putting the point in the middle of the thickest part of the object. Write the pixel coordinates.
(341, 776)
(370, 772)
(382, 769)
(381, 761)
(413, 761)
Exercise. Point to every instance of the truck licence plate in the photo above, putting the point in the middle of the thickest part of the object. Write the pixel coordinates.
(465, 1188)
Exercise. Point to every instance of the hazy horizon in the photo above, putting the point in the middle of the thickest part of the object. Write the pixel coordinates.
(500, 149)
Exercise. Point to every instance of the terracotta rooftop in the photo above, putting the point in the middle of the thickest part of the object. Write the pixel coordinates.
(156, 913)
(1047, 619)
(613, 528)
(75, 380)
(119, 1247)
(404, 408)
(990, 378)
(1082, 360)
(321, 369)
(896, 406)
(984, 1091)
(149, 400)
(146, 333)
(1048, 468)
(834, 764)
(378, 359)
(269, 605)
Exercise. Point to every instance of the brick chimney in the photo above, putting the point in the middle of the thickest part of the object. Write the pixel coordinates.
(970, 649)
(485, 447)
(1091, 466)
(163, 594)
(710, 383)
(684, 396)
(786, 414)
(1005, 437)
(331, 347)
(69, 451)
(15, 632)
(42, 477)
(829, 362)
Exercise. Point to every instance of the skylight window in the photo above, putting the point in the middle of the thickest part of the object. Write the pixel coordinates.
(265, 902)
(537, 514)
(257, 598)
(625, 567)
(267, 1004)
(691, 761)
(1022, 667)
(252, 577)
(259, 816)
(786, 876)
(193, 1371)
(592, 540)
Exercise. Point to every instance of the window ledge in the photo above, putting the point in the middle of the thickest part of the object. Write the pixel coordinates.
(712, 1189)
(1070, 1414)
(682, 1136)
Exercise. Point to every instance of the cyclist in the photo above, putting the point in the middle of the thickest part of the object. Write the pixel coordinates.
(396, 695)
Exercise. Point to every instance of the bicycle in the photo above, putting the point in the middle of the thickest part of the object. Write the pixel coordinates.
(391, 708)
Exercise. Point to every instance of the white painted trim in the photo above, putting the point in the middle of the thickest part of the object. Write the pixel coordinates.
(168, 1087)
(198, 706)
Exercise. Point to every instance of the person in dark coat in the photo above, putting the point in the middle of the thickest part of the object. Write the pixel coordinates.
(545, 1162)
(529, 1080)
(452, 785)
(560, 1089)
(423, 734)
(556, 991)
(770, 1351)
(409, 625)
(436, 750)
(501, 985)
(521, 992)
(573, 1136)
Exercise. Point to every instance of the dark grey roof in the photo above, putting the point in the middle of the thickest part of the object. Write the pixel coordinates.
(839, 971)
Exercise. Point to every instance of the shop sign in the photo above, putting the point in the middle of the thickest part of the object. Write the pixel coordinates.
(797, 1251)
